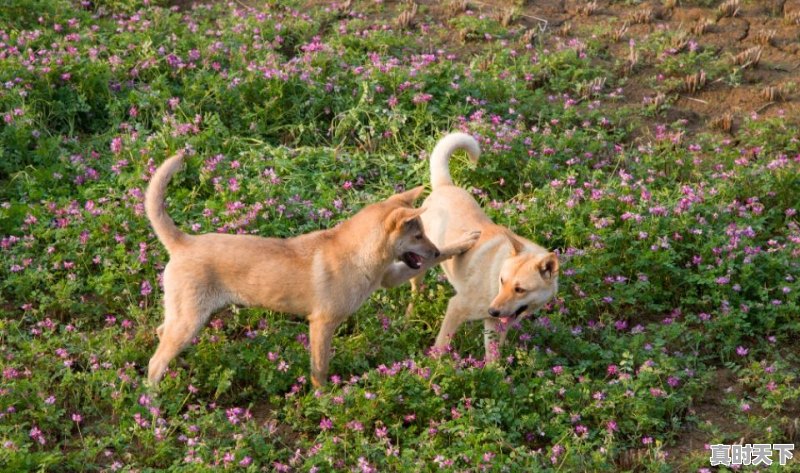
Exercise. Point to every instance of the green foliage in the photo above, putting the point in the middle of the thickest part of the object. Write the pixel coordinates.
(679, 253)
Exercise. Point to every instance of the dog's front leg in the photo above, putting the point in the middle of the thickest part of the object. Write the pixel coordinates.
(399, 272)
(321, 329)
(494, 335)
(458, 247)
(457, 311)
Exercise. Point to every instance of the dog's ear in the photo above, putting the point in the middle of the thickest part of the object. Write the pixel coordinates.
(400, 216)
(517, 245)
(408, 197)
(548, 266)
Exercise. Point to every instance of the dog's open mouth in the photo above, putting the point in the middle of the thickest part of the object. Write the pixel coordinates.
(510, 318)
(411, 259)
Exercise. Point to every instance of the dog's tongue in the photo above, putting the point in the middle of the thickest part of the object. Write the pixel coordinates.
(505, 320)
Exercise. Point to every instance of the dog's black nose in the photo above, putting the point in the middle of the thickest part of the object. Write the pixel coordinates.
(436, 254)
(494, 312)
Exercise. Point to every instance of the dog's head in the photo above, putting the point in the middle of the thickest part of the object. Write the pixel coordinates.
(406, 234)
(527, 282)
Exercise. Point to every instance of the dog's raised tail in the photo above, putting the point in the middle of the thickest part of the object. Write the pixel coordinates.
(166, 230)
(440, 157)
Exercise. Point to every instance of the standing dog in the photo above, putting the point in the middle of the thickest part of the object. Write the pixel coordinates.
(504, 276)
(324, 275)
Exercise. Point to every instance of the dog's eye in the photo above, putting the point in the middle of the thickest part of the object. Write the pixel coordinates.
(418, 237)
(519, 290)
(501, 281)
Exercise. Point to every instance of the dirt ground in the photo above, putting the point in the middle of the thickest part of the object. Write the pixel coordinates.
(772, 25)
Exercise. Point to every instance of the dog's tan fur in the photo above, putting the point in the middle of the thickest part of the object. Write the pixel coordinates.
(324, 275)
(496, 279)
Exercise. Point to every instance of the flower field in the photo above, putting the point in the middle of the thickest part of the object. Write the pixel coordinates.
(661, 161)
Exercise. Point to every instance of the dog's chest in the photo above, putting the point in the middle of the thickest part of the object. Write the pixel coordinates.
(342, 289)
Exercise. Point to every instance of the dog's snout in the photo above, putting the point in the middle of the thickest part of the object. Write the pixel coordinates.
(494, 312)
(436, 254)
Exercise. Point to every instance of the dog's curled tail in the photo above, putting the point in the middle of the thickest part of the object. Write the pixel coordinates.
(165, 228)
(440, 158)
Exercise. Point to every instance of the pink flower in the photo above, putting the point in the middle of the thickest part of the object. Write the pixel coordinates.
(673, 381)
(355, 426)
(741, 351)
(116, 145)
(146, 289)
(325, 424)
(422, 98)
(37, 435)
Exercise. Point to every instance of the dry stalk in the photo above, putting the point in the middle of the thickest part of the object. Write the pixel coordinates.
(633, 59)
(792, 429)
(343, 9)
(729, 9)
(701, 27)
(529, 36)
(679, 41)
(619, 33)
(792, 17)
(777, 93)
(565, 29)
(694, 82)
(765, 37)
(749, 57)
(454, 8)
(587, 9)
(658, 100)
(642, 16)
(723, 122)
(587, 89)
(406, 19)
(506, 15)
(629, 459)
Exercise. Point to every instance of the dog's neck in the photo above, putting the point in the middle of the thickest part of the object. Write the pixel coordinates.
(370, 254)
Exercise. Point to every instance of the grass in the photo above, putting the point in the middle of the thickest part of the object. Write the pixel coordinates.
(679, 248)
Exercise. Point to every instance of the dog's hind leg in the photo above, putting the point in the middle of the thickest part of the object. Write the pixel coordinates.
(321, 329)
(182, 321)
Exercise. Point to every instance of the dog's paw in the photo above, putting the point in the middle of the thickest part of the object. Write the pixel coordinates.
(467, 241)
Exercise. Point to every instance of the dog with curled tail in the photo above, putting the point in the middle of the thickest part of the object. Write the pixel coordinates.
(324, 275)
(502, 277)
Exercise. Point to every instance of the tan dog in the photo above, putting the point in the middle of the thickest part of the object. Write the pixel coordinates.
(504, 276)
(324, 275)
